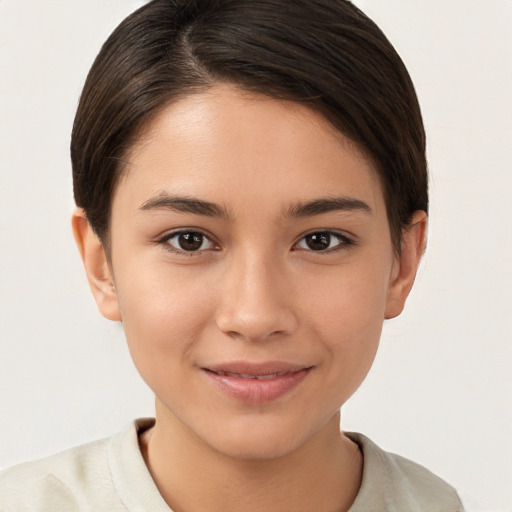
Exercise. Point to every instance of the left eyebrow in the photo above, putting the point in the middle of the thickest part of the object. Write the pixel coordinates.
(327, 205)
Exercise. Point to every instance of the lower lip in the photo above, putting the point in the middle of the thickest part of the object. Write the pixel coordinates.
(254, 391)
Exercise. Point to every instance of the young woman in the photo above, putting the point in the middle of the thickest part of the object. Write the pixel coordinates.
(251, 187)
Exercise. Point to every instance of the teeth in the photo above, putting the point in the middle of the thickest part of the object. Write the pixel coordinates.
(248, 376)
(266, 377)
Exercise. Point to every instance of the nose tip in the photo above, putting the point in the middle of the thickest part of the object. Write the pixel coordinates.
(255, 305)
(252, 327)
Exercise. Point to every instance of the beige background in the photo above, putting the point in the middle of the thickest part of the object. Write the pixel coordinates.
(441, 388)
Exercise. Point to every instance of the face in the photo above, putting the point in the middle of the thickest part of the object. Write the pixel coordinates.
(253, 268)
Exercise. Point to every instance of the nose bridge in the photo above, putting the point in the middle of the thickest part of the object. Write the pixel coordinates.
(255, 303)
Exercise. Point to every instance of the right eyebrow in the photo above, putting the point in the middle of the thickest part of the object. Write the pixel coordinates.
(185, 204)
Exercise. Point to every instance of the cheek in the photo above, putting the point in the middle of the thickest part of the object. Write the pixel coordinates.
(351, 300)
(163, 314)
(348, 313)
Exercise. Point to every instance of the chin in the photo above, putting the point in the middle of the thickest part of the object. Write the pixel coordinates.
(256, 441)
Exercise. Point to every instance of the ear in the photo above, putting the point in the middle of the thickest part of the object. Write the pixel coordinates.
(414, 238)
(96, 266)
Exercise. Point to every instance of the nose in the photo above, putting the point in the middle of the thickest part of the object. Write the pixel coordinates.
(255, 303)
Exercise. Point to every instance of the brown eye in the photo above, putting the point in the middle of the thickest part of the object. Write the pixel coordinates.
(190, 241)
(318, 241)
(322, 241)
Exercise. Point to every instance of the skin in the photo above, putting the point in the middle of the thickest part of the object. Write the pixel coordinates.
(254, 292)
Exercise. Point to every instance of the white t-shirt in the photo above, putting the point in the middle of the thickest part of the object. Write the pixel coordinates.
(111, 476)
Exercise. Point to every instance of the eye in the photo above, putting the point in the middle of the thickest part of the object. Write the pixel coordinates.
(319, 241)
(189, 241)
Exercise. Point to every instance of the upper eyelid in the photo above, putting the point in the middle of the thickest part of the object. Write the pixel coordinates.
(343, 235)
(173, 232)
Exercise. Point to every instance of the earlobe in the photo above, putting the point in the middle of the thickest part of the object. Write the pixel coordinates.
(96, 266)
(406, 264)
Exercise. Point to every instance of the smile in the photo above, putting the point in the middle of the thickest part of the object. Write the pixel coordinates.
(258, 385)
(249, 376)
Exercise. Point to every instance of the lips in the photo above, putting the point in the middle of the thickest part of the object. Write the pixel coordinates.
(251, 376)
(256, 383)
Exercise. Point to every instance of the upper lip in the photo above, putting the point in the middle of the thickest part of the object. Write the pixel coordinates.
(257, 368)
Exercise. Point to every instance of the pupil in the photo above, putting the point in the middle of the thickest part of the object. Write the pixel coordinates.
(190, 241)
(318, 241)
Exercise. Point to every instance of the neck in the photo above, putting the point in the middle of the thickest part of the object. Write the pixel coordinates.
(323, 474)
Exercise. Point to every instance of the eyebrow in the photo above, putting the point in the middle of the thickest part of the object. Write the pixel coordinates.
(326, 205)
(184, 204)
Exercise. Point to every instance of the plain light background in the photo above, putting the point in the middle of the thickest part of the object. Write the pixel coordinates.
(440, 391)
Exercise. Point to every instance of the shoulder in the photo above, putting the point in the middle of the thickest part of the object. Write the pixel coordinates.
(394, 483)
(61, 482)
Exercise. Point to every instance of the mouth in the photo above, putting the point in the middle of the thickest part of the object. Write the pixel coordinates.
(256, 384)
(251, 376)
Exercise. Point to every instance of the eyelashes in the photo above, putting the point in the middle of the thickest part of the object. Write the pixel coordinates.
(190, 242)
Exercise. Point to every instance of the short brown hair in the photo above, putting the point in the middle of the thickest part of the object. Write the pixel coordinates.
(325, 54)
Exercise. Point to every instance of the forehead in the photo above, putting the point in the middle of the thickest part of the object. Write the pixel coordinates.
(229, 146)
